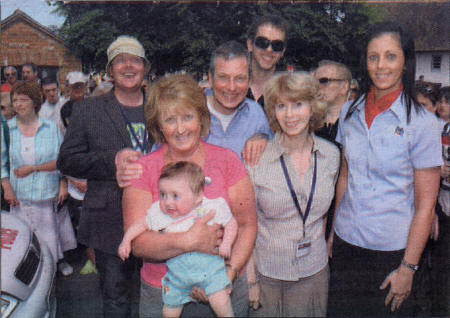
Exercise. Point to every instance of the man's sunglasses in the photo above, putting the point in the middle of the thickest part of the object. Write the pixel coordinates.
(263, 43)
(326, 80)
(10, 74)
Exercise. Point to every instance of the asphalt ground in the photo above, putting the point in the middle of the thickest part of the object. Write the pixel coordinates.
(79, 296)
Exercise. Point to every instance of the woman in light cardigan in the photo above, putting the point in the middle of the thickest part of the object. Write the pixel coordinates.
(32, 186)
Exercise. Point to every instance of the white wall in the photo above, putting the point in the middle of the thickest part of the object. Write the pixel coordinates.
(423, 67)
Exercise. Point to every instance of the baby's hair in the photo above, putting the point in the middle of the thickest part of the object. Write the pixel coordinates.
(183, 168)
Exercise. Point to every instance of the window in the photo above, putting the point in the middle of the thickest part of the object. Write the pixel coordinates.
(436, 63)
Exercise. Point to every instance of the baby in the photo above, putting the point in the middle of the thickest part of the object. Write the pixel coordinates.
(181, 202)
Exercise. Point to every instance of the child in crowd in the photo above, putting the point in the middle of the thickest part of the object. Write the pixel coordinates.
(427, 97)
(181, 203)
(443, 108)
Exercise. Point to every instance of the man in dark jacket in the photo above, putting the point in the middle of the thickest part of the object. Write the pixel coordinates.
(99, 128)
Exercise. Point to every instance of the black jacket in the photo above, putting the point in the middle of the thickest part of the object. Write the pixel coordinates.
(97, 131)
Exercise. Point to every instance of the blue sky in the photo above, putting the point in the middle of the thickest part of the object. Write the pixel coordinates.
(39, 10)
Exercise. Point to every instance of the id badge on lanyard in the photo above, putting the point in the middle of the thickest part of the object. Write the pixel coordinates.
(303, 246)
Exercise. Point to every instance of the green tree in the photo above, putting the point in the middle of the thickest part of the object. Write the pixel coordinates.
(182, 35)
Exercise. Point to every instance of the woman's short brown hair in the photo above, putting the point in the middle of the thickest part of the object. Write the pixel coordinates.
(31, 89)
(179, 92)
(294, 87)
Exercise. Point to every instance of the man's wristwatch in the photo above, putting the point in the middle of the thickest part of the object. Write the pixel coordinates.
(409, 266)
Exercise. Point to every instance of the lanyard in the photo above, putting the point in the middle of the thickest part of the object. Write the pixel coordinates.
(294, 196)
(142, 145)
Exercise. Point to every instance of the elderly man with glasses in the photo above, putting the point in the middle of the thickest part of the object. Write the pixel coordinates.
(10, 74)
(334, 79)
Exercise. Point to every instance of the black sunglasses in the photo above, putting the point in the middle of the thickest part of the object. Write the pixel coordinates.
(10, 74)
(326, 80)
(263, 43)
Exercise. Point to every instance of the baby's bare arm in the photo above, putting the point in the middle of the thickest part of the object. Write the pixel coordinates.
(135, 229)
(229, 235)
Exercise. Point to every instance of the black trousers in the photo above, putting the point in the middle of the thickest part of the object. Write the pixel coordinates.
(356, 275)
(440, 270)
(119, 281)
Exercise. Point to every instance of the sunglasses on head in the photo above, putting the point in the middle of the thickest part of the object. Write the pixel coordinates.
(263, 43)
(428, 90)
(326, 80)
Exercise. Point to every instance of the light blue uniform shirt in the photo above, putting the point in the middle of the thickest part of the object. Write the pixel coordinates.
(37, 186)
(378, 205)
(248, 120)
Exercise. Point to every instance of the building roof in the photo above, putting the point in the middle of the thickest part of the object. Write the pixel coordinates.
(435, 40)
(19, 15)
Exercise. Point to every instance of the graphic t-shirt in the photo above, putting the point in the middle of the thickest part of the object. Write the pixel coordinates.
(135, 116)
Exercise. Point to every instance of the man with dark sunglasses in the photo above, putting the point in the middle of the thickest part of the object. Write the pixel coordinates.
(266, 42)
(334, 80)
(10, 74)
(334, 84)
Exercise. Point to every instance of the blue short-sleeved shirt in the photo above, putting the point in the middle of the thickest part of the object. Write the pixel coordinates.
(378, 205)
(249, 120)
(36, 186)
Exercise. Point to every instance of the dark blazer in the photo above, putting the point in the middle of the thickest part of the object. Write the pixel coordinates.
(97, 131)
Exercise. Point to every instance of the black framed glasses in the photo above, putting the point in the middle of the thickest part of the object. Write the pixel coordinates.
(263, 43)
(326, 80)
(10, 74)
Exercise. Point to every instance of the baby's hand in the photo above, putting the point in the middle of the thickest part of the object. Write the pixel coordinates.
(225, 250)
(124, 250)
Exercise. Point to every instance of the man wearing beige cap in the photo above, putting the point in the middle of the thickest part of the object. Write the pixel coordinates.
(99, 128)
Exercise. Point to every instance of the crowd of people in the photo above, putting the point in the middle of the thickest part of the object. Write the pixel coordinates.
(257, 193)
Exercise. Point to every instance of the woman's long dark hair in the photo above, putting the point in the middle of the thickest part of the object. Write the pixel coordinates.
(408, 76)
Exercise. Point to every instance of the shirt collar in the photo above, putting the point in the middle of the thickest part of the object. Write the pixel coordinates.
(41, 122)
(243, 105)
(276, 150)
(397, 106)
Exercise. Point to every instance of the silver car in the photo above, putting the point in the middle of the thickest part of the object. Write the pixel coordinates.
(27, 272)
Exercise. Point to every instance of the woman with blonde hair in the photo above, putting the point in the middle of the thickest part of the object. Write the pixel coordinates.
(294, 186)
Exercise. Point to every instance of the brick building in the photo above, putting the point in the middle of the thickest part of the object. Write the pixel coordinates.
(25, 40)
